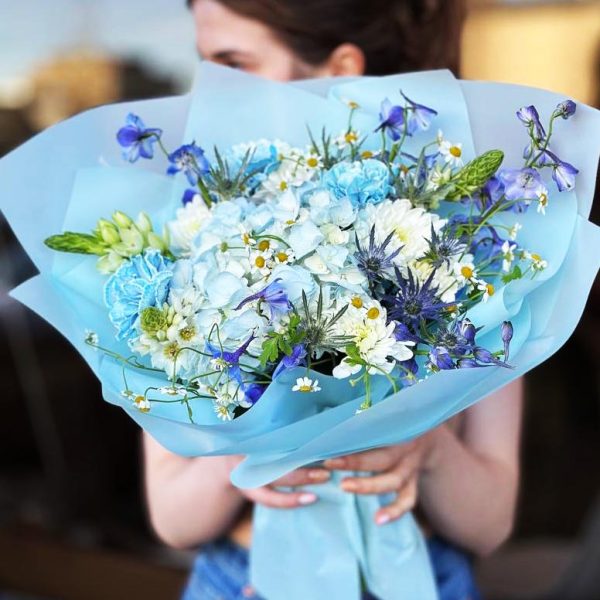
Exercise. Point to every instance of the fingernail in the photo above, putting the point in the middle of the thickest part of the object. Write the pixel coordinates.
(335, 463)
(307, 499)
(319, 475)
(349, 486)
(382, 519)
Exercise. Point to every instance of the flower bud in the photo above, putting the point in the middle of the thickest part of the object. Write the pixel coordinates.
(121, 219)
(108, 232)
(143, 223)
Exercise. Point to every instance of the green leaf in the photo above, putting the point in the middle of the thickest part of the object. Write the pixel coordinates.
(516, 273)
(77, 243)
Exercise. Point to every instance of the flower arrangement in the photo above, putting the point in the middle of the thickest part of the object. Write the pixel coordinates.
(341, 259)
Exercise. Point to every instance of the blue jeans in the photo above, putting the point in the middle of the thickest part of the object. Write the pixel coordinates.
(221, 573)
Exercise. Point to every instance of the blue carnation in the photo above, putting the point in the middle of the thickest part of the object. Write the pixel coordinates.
(361, 182)
(139, 283)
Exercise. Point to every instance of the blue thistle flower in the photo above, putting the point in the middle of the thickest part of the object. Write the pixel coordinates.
(442, 248)
(375, 260)
(414, 302)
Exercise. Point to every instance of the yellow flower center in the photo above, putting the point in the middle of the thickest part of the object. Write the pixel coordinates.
(452, 308)
(290, 222)
(264, 245)
(246, 238)
(466, 272)
(305, 388)
(313, 162)
(187, 333)
(351, 137)
(536, 257)
(401, 234)
(282, 257)
(171, 350)
(353, 105)
(490, 289)
(140, 402)
(455, 151)
(260, 262)
(373, 313)
(283, 186)
(366, 154)
(356, 302)
(543, 199)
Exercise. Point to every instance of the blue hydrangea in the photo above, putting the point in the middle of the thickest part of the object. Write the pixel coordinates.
(361, 182)
(139, 283)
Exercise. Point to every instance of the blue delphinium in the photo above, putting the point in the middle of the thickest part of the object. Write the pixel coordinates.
(361, 182)
(227, 361)
(189, 159)
(419, 116)
(295, 359)
(522, 186)
(529, 116)
(392, 120)
(566, 109)
(414, 301)
(274, 296)
(136, 139)
(139, 283)
(563, 172)
(375, 259)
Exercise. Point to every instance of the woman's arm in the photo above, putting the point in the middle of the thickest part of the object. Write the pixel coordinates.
(191, 500)
(467, 486)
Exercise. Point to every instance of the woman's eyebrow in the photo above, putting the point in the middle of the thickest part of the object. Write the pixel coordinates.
(228, 54)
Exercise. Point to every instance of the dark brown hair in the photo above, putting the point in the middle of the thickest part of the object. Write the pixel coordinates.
(395, 35)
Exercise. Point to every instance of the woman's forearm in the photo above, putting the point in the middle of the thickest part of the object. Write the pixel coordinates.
(468, 498)
(468, 488)
(190, 501)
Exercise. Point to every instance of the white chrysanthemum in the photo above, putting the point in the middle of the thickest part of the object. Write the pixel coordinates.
(190, 218)
(373, 338)
(411, 228)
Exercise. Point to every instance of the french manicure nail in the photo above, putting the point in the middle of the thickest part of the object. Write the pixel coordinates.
(382, 519)
(307, 499)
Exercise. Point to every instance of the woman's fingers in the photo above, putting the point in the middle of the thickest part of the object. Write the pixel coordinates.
(404, 502)
(305, 476)
(382, 483)
(380, 459)
(275, 499)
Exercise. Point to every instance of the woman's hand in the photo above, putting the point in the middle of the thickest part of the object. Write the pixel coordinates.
(268, 496)
(396, 468)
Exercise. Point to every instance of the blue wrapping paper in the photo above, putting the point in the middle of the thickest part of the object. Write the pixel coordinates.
(318, 551)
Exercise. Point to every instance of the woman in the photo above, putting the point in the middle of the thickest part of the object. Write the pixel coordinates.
(464, 474)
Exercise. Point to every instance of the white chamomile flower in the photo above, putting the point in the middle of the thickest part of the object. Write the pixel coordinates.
(508, 255)
(487, 289)
(464, 271)
(312, 161)
(283, 256)
(537, 262)
(348, 137)
(306, 385)
(514, 231)
(141, 403)
(172, 390)
(246, 236)
(225, 413)
(261, 262)
(452, 153)
(438, 177)
(542, 203)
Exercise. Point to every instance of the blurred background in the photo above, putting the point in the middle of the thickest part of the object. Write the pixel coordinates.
(72, 520)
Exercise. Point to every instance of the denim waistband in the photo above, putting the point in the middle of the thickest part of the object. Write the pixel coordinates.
(221, 572)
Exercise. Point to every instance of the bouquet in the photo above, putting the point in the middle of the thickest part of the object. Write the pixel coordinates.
(309, 270)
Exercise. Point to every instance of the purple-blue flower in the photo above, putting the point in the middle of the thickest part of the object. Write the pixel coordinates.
(441, 359)
(566, 109)
(253, 393)
(190, 160)
(522, 184)
(375, 259)
(229, 361)
(188, 196)
(295, 359)
(529, 116)
(274, 296)
(136, 139)
(414, 302)
(392, 120)
(507, 335)
(419, 116)
(563, 172)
